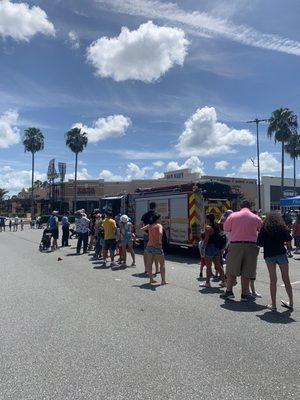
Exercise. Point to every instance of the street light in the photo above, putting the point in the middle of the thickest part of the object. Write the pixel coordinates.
(257, 122)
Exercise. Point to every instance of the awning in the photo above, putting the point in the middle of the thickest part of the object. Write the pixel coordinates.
(290, 202)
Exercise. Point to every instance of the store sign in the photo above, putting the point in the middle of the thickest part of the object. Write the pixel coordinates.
(86, 191)
(275, 193)
(288, 193)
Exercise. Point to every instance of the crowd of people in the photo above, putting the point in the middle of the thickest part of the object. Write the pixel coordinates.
(236, 239)
(112, 238)
(12, 223)
(233, 241)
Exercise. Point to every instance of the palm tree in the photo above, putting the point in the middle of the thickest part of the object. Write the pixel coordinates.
(76, 141)
(293, 149)
(3, 193)
(3, 197)
(282, 125)
(33, 141)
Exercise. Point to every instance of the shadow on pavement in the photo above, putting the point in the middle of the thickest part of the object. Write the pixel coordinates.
(101, 266)
(72, 255)
(240, 306)
(147, 286)
(276, 317)
(120, 268)
(140, 275)
(216, 290)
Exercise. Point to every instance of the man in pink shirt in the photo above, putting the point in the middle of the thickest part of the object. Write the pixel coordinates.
(243, 227)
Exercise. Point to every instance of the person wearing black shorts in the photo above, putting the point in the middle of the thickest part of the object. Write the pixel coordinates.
(53, 225)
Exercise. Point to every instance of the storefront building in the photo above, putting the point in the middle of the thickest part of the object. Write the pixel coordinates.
(271, 191)
(89, 192)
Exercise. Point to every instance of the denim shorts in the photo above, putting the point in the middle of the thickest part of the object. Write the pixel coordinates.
(145, 240)
(154, 250)
(126, 242)
(212, 251)
(281, 259)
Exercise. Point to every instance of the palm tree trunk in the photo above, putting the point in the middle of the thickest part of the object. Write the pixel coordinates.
(294, 176)
(32, 181)
(282, 170)
(75, 183)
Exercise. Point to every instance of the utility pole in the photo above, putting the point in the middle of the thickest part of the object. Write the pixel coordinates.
(257, 122)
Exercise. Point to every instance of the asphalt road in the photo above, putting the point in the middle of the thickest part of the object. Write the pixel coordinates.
(70, 330)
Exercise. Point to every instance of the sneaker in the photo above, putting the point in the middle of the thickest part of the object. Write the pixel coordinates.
(133, 264)
(227, 295)
(216, 278)
(246, 297)
(223, 284)
(270, 307)
(205, 285)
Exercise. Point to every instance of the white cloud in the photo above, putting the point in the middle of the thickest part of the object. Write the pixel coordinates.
(81, 163)
(158, 164)
(109, 176)
(203, 24)
(21, 22)
(9, 133)
(231, 175)
(81, 175)
(172, 166)
(73, 40)
(193, 163)
(135, 172)
(113, 126)
(221, 165)
(15, 180)
(144, 54)
(158, 175)
(143, 155)
(204, 135)
(268, 164)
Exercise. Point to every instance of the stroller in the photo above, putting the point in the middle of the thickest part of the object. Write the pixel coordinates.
(46, 240)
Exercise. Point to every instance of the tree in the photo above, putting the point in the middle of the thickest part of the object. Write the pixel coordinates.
(33, 142)
(293, 149)
(282, 125)
(3, 193)
(76, 141)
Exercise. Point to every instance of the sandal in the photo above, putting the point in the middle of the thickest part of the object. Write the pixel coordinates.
(270, 307)
(286, 304)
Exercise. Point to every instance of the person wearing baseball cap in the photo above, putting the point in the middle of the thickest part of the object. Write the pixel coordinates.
(126, 236)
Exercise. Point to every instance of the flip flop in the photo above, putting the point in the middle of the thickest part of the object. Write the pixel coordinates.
(270, 307)
(287, 305)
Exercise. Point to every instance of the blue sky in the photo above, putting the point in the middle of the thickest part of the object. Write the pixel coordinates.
(158, 95)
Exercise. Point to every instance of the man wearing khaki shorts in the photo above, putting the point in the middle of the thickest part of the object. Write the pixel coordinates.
(243, 227)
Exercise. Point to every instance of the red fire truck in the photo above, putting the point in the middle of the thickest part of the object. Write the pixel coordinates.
(182, 208)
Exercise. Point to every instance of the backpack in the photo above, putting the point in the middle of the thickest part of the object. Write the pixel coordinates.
(220, 241)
